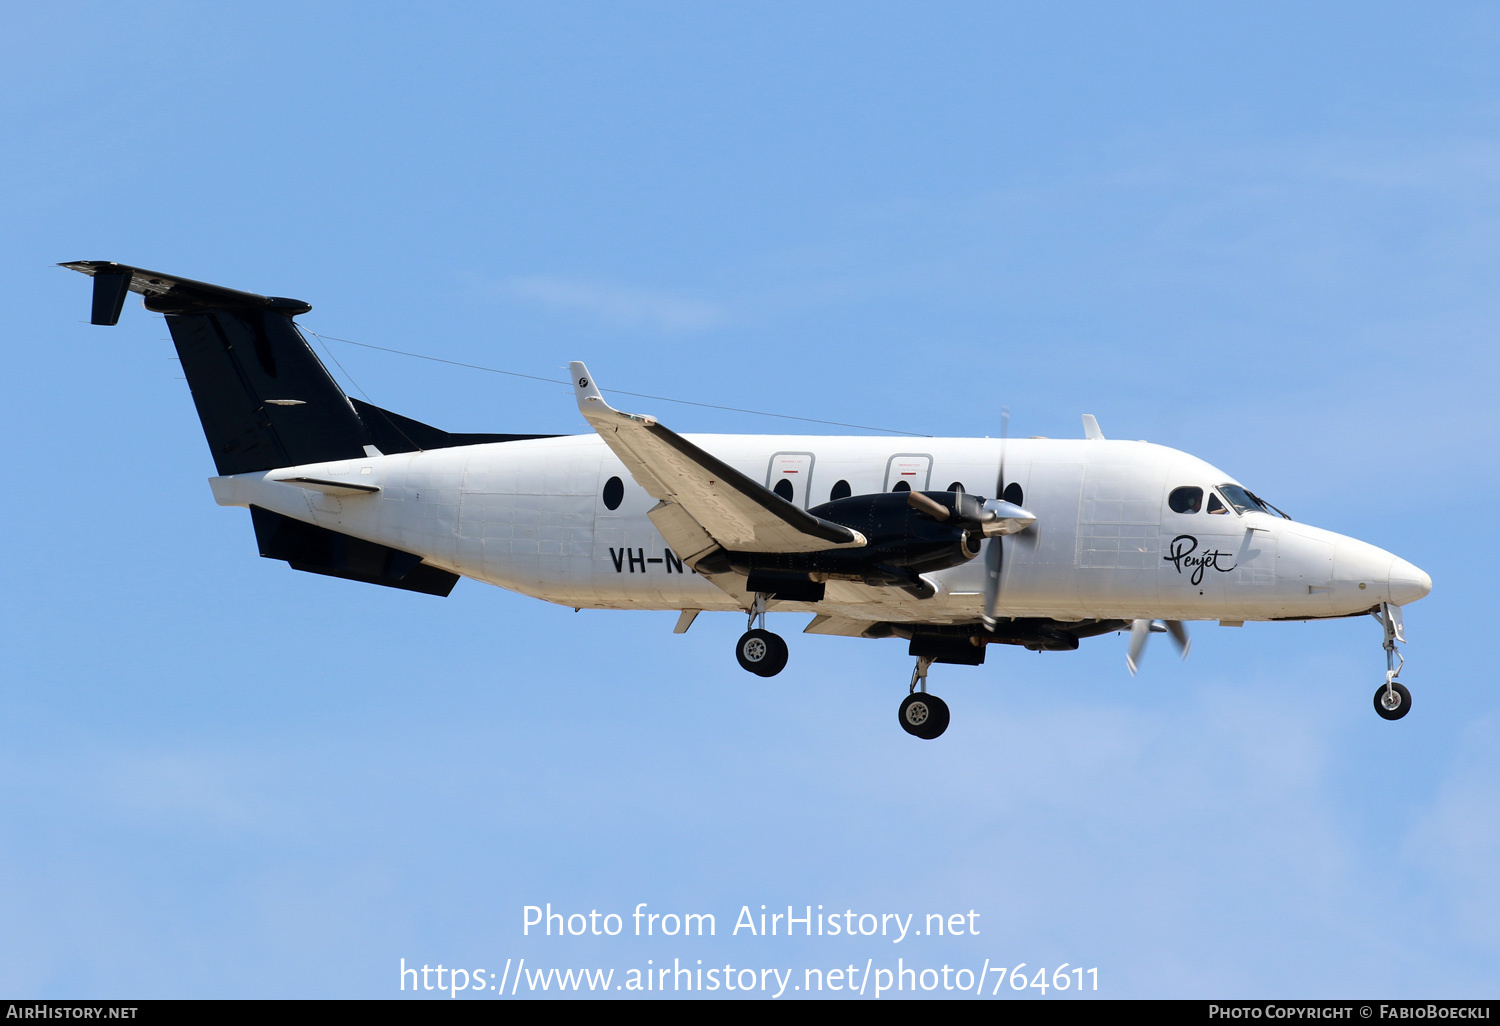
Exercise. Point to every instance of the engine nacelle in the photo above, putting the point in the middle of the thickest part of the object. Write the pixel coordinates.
(905, 540)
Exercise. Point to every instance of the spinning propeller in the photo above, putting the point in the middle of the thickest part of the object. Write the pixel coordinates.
(1141, 629)
(994, 557)
(991, 519)
(1009, 518)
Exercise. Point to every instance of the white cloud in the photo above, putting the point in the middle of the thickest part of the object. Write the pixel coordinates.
(618, 305)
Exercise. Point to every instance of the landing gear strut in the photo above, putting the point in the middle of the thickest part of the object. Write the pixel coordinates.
(758, 650)
(1392, 700)
(923, 715)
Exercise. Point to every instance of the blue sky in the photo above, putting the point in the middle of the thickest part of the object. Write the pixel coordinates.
(1267, 237)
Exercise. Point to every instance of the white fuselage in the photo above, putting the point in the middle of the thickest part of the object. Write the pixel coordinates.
(531, 516)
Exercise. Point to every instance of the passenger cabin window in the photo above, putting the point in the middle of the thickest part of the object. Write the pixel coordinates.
(840, 490)
(956, 486)
(784, 489)
(901, 486)
(1014, 494)
(1185, 500)
(1214, 505)
(614, 493)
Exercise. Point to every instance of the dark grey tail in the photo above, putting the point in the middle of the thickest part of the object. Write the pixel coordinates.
(263, 396)
(266, 401)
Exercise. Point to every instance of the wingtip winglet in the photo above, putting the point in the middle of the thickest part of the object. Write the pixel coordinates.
(591, 400)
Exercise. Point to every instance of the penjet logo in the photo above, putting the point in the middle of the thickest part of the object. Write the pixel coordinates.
(1180, 555)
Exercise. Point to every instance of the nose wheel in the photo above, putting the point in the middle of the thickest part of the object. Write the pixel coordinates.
(1392, 700)
(923, 715)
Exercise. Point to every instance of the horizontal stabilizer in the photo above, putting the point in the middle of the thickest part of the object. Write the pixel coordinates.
(165, 293)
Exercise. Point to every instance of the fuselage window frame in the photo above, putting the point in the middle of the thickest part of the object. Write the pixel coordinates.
(1186, 500)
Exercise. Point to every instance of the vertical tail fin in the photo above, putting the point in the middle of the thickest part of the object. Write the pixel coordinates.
(263, 396)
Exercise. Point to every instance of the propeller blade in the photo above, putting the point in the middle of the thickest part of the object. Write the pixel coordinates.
(1140, 630)
(1180, 636)
(936, 510)
(994, 556)
(994, 561)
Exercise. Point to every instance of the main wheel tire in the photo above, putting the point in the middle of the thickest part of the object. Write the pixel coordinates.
(1402, 705)
(923, 715)
(761, 652)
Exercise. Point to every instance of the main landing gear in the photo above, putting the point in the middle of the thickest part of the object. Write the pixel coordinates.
(758, 650)
(1392, 700)
(923, 715)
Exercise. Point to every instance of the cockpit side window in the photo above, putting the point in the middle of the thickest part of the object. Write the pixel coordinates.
(1187, 499)
(1214, 505)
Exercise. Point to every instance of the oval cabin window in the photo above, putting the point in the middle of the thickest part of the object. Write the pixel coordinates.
(1014, 494)
(901, 486)
(784, 489)
(1185, 500)
(614, 493)
(840, 490)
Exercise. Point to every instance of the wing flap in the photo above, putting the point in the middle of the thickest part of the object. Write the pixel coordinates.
(686, 536)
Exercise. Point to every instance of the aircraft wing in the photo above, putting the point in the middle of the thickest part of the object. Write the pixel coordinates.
(712, 500)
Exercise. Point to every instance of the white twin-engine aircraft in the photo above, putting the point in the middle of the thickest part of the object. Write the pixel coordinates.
(875, 537)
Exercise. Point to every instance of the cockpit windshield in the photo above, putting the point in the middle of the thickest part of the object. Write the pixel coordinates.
(1240, 499)
(1248, 502)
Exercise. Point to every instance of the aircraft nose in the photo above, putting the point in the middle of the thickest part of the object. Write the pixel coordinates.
(1407, 582)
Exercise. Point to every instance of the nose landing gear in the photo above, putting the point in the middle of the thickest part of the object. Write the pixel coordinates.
(923, 715)
(1392, 700)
